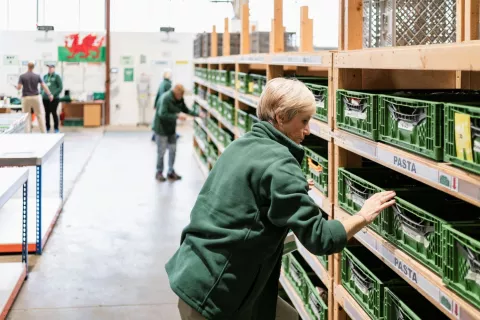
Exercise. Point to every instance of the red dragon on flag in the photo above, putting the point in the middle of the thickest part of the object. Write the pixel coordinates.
(88, 49)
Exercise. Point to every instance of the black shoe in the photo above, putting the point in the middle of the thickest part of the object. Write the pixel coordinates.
(159, 176)
(173, 176)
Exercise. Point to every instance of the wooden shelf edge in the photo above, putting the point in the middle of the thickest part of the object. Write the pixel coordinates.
(321, 200)
(320, 129)
(348, 303)
(292, 294)
(418, 276)
(439, 175)
(200, 143)
(313, 262)
(220, 146)
(248, 99)
(216, 115)
(314, 59)
(427, 57)
(201, 165)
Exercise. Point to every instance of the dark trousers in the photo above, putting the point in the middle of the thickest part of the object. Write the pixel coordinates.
(51, 109)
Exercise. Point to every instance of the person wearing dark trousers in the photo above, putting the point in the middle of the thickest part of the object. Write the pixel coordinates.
(55, 85)
(169, 109)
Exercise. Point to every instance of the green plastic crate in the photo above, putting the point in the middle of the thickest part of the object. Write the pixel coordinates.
(212, 126)
(357, 113)
(450, 147)
(212, 152)
(295, 272)
(356, 185)
(213, 101)
(406, 303)
(223, 77)
(219, 105)
(199, 72)
(416, 223)
(242, 82)
(319, 88)
(73, 122)
(365, 277)
(317, 166)
(461, 260)
(228, 112)
(256, 84)
(320, 92)
(243, 120)
(231, 80)
(252, 121)
(316, 307)
(412, 124)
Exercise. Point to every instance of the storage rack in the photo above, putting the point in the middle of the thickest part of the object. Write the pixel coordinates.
(13, 274)
(446, 66)
(13, 122)
(32, 150)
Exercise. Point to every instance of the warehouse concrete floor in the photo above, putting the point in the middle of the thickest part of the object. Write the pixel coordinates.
(106, 256)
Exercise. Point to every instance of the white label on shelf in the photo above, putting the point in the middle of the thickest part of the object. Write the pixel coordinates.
(319, 130)
(351, 311)
(412, 274)
(469, 189)
(448, 181)
(357, 143)
(294, 59)
(405, 125)
(252, 58)
(409, 165)
(316, 197)
(367, 238)
(247, 100)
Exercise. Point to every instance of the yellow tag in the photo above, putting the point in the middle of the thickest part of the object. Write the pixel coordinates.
(250, 87)
(463, 136)
(238, 85)
(181, 62)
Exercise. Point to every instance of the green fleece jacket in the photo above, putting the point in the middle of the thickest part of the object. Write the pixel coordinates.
(165, 85)
(228, 264)
(168, 108)
(54, 84)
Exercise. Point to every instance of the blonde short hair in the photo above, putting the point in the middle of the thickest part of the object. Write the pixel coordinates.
(167, 74)
(285, 98)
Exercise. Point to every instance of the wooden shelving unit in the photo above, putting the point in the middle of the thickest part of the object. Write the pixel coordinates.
(447, 66)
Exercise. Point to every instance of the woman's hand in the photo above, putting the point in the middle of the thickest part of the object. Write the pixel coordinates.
(311, 184)
(375, 204)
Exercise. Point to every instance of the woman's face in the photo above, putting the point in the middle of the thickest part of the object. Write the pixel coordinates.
(297, 128)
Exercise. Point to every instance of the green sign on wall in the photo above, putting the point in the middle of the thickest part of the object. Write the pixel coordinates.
(128, 75)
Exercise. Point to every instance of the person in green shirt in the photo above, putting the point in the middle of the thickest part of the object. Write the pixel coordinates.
(228, 264)
(169, 107)
(165, 85)
(55, 85)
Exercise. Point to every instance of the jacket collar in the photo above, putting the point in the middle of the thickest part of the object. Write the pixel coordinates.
(267, 130)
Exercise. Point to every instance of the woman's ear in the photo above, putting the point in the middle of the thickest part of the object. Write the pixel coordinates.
(278, 119)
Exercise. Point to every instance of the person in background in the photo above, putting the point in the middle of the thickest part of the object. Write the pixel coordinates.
(165, 85)
(169, 107)
(228, 263)
(29, 82)
(55, 85)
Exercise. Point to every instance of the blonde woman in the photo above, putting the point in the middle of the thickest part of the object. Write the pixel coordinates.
(228, 264)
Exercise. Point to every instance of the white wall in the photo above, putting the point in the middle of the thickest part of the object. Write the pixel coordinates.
(159, 54)
(42, 47)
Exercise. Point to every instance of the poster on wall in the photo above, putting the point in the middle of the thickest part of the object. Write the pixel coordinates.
(86, 49)
(10, 60)
(126, 60)
(128, 75)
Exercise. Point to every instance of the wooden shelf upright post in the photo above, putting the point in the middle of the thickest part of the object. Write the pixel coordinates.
(276, 42)
(214, 43)
(245, 32)
(226, 39)
(306, 31)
